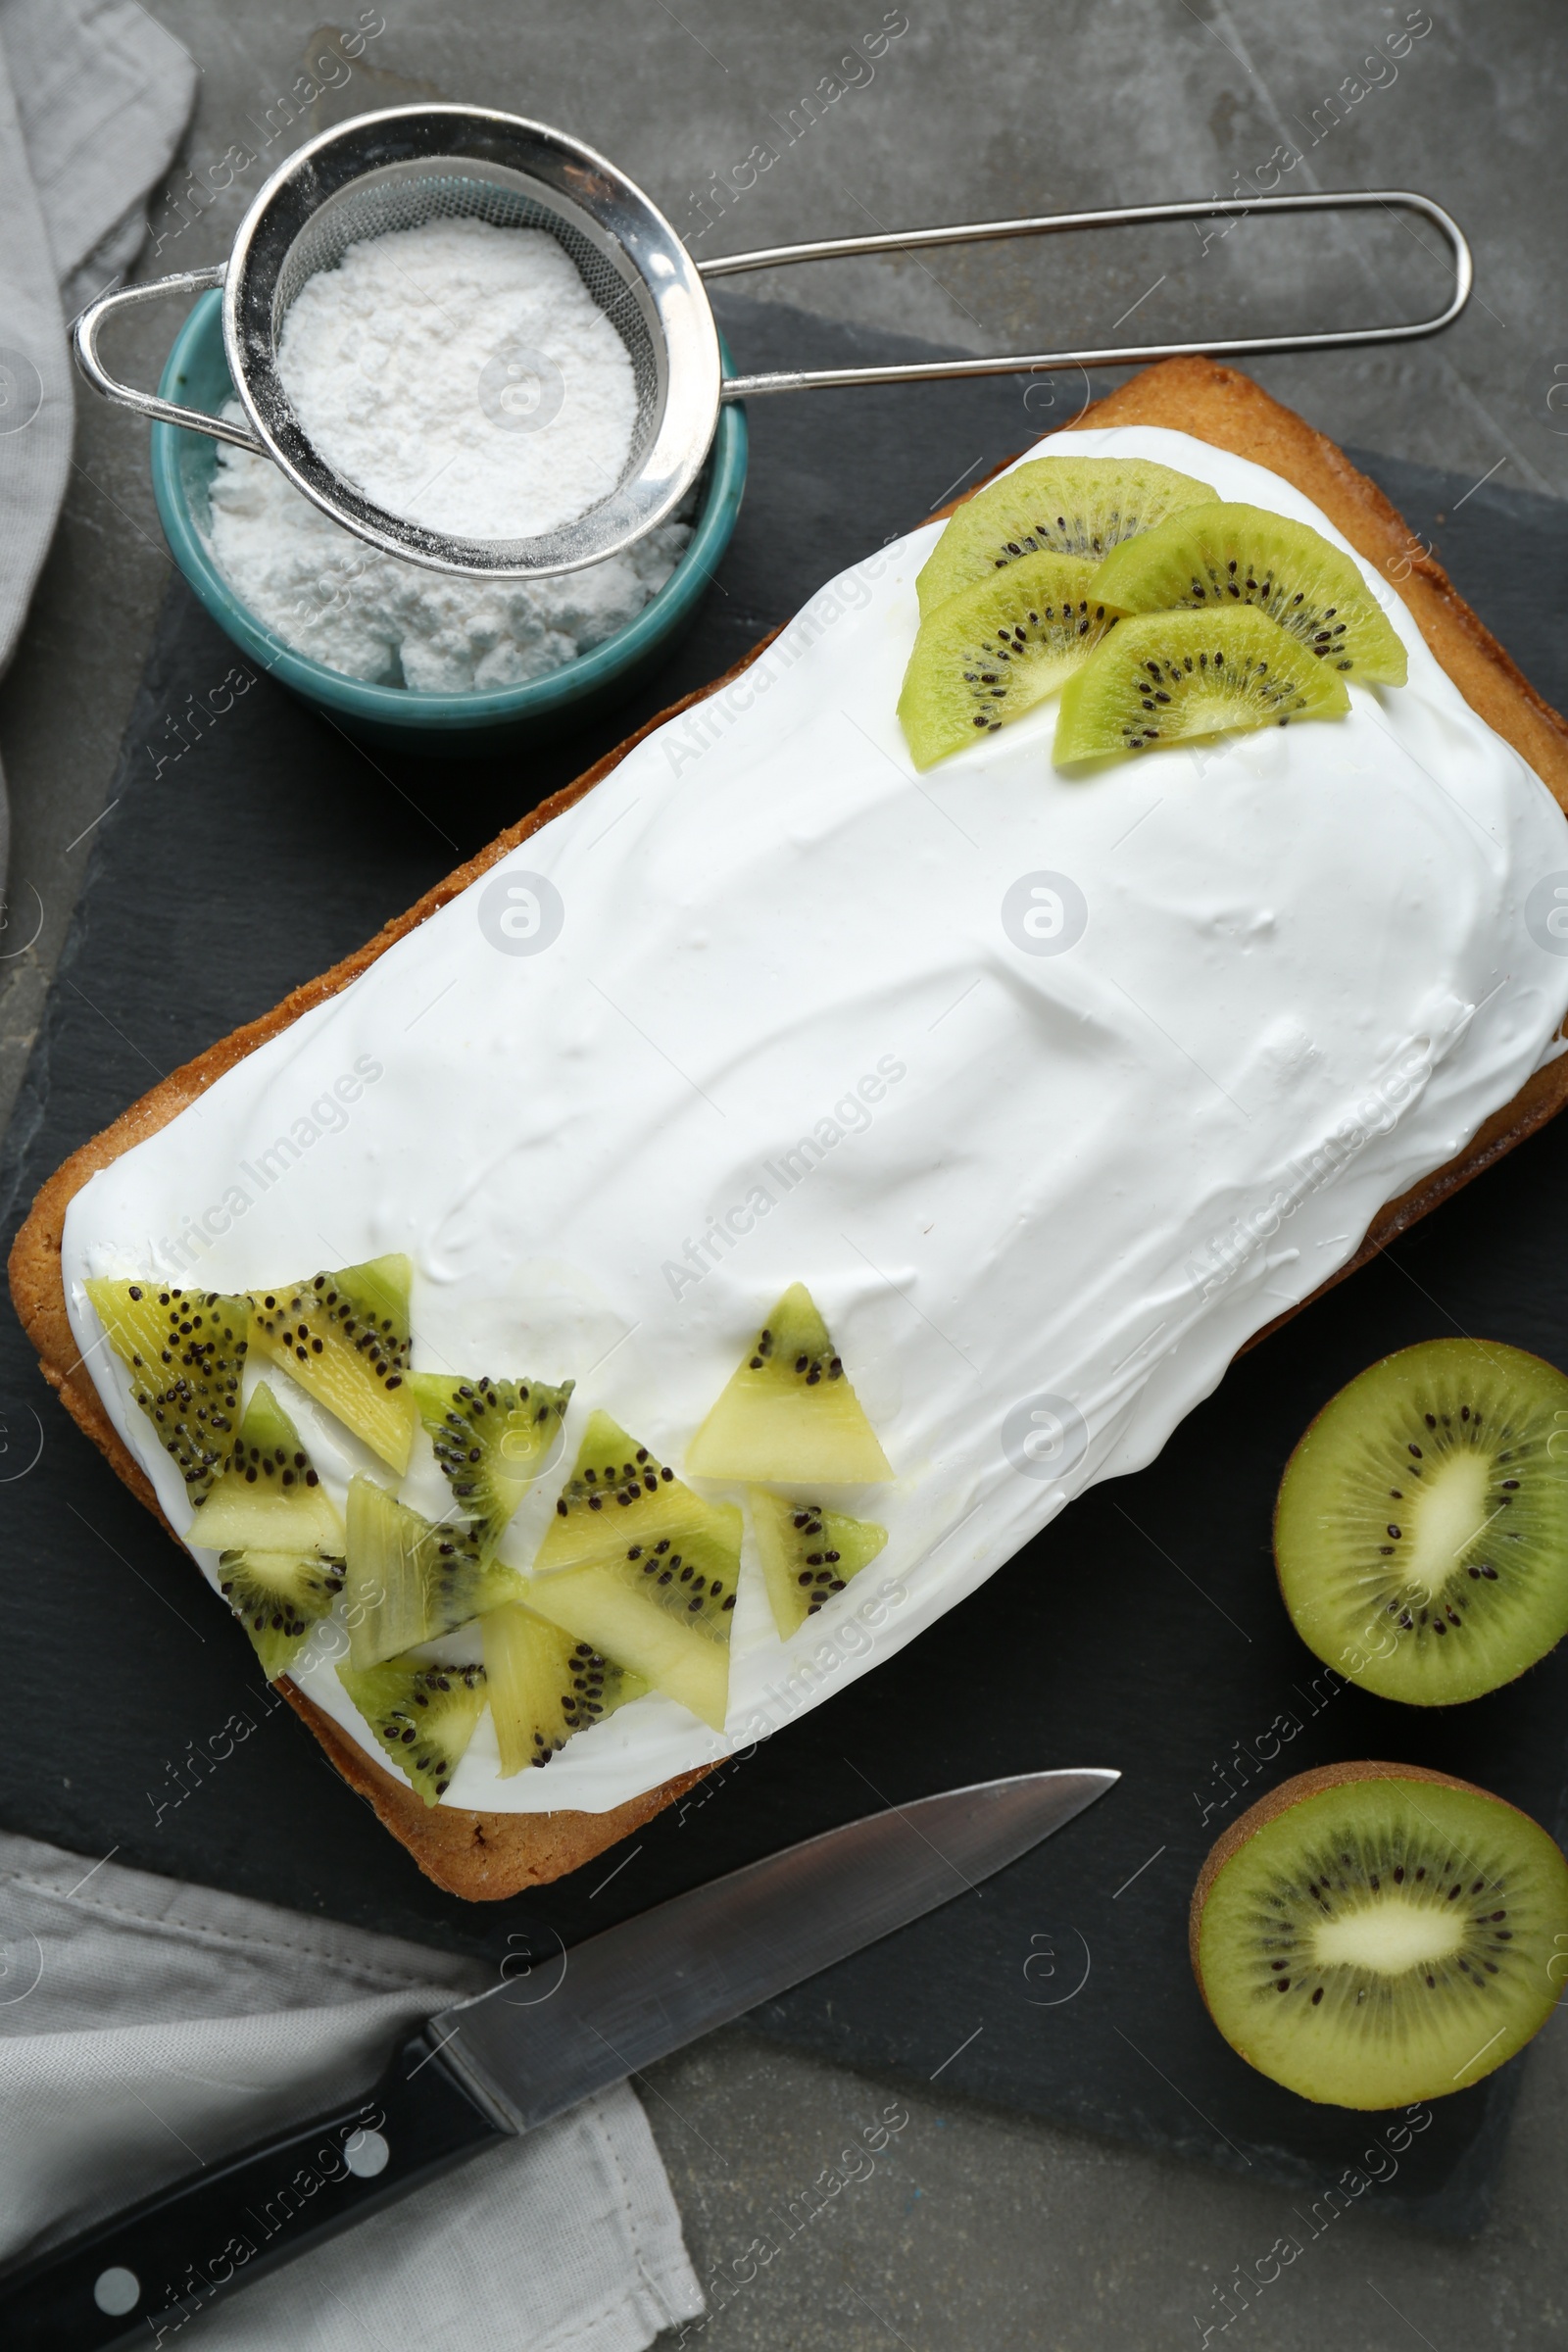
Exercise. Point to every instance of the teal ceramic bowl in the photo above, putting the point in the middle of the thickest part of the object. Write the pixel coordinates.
(440, 725)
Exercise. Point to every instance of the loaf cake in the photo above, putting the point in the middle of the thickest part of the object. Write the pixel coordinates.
(717, 986)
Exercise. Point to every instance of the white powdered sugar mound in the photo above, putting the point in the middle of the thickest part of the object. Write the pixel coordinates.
(396, 366)
(373, 617)
(462, 375)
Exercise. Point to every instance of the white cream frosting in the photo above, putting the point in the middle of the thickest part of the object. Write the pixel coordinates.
(1043, 1199)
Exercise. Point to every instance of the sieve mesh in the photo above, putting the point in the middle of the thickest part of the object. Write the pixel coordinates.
(407, 195)
(400, 168)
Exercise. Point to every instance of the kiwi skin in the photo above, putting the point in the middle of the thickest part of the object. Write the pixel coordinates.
(1315, 1782)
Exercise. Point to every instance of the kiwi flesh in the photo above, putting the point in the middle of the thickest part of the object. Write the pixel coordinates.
(1421, 1532)
(997, 650)
(642, 1569)
(269, 1498)
(491, 1439)
(1375, 1935)
(278, 1537)
(1213, 557)
(808, 1554)
(344, 1337)
(544, 1685)
(1168, 677)
(186, 1352)
(789, 1415)
(409, 1579)
(1080, 507)
(423, 1716)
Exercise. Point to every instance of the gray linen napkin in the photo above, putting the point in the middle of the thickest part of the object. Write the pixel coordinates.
(147, 2028)
(94, 99)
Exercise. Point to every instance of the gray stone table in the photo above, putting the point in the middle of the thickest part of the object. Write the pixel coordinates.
(976, 2232)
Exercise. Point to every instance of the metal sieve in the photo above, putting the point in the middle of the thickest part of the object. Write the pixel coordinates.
(402, 166)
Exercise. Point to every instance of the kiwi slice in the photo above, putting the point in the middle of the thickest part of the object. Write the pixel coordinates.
(424, 1716)
(269, 1498)
(1059, 506)
(1421, 1532)
(995, 651)
(1166, 678)
(808, 1554)
(1226, 553)
(1373, 1934)
(408, 1580)
(789, 1414)
(544, 1685)
(184, 1351)
(643, 1570)
(278, 1537)
(344, 1337)
(491, 1438)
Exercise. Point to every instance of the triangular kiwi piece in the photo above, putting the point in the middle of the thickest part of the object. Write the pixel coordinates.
(278, 1537)
(279, 1597)
(344, 1337)
(408, 1580)
(642, 1569)
(490, 1438)
(544, 1685)
(185, 1352)
(269, 1498)
(1067, 506)
(789, 1415)
(1214, 556)
(808, 1554)
(424, 1716)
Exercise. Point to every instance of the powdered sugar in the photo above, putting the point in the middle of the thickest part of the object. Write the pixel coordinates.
(462, 376)
(374, 616)
(422, 368)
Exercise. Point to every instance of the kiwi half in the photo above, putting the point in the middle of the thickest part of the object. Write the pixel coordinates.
(344, 1337)
(789, 1414)
(642, 1569)
(1166, 678)
(808, 1554)
(423, 1716)
(408, 1580)
(186, 1352)
(278, 1537)
(544, 1686)
(1421, 1532)
(1225, 554)
(491, 1439)
(1080, 507)
(995, 651)
(1373, 1934)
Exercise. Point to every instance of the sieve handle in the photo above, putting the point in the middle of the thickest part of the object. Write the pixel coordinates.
(975, 232)
(148, 404)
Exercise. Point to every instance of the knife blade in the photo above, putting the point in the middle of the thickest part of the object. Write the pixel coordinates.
(639, 1991)
(506, 2060)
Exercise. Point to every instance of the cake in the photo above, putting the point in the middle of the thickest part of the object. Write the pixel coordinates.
(767, 1021)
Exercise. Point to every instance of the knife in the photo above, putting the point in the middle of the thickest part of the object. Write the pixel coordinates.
(496, 2065)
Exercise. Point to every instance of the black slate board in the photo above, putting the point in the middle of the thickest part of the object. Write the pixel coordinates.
(1143, 1630)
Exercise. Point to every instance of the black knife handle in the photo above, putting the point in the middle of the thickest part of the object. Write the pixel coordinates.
(219, 2228)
